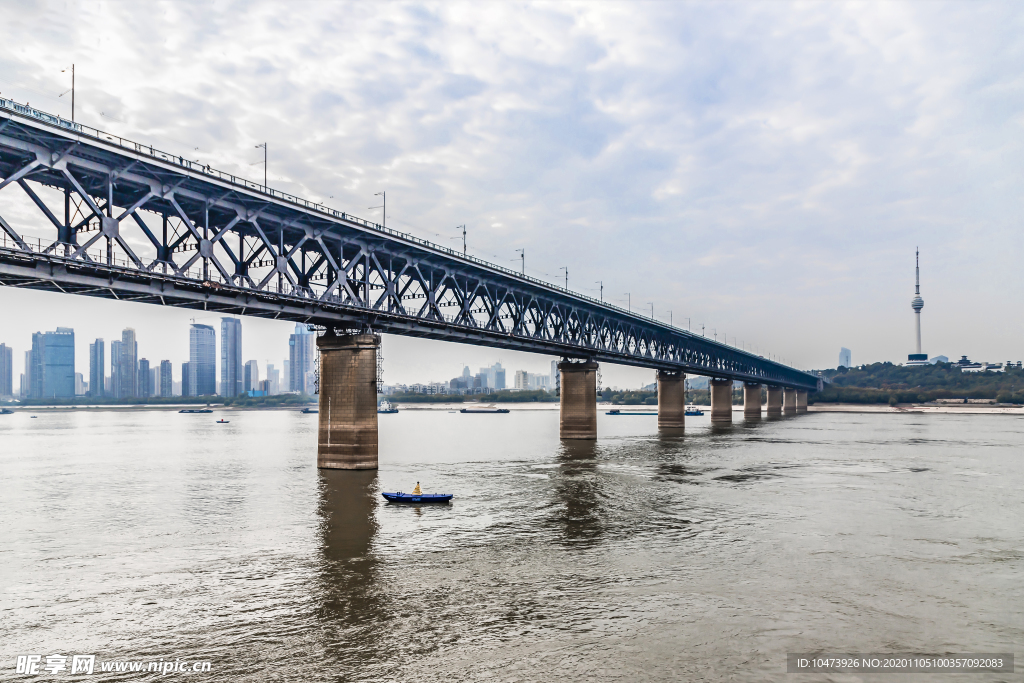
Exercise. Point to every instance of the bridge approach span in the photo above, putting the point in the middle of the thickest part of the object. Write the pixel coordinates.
(125, 221)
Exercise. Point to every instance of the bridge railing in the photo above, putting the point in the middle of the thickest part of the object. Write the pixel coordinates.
(197, 167)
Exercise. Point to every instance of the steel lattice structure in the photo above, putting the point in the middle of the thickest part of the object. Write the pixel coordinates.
(134, 223)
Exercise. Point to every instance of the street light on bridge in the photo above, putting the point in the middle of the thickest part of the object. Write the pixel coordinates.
(566, 269)
(264, 146)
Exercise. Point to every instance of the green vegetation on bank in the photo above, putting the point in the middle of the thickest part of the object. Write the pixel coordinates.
(888, 383)
(270, 401)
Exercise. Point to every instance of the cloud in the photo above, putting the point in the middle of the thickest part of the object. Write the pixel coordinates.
(766, 168)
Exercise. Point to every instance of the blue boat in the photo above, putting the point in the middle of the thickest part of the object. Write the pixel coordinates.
(693, 411)
(417, 498)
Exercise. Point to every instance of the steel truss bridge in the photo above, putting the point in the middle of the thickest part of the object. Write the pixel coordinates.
(132, 223)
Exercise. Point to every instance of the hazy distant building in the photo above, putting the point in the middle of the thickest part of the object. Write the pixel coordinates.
(115, 368)
(6, 371)
(301, 352)
(129, 365)
(273, 380)
(231, 380)
(251, 379)
(52, 362)
(79, 384)
(26, 377)
(144, 389)
(202, 360)
(553, 375)
(96, 371)
(845, 358)
(35, 366)
(186, 390)
(522, 380)
(166, 379)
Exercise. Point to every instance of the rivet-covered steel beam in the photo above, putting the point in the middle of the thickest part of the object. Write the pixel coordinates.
(203, 239)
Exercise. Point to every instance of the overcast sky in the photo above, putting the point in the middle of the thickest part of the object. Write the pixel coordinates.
(763, 169)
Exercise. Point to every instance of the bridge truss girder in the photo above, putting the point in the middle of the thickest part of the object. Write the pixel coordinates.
(136, 226)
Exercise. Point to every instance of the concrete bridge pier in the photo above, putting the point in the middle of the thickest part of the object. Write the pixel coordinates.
(578, 414)
(801, 401)
(348, 402)
(751, 401)
(774, 405)
(789, 401)
(671, 399)
(721, 400)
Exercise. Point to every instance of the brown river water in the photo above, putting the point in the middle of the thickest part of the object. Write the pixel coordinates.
(160, 536)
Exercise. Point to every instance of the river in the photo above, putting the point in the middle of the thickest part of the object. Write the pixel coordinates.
(153, 535)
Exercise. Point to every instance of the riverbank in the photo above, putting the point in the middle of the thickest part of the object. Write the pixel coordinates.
(951, 409)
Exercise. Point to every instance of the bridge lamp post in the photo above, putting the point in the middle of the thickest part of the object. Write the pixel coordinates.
(652, 309)
(384, 206)
(463, 229)
(72, 91)
(566, 269)
(522, 257)
(264, 146)
(601, 282)
(629, 303)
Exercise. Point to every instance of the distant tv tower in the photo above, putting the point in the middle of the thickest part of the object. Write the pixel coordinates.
(917, 304)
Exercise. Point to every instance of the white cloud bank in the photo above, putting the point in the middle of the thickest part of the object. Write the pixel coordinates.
(765, 169)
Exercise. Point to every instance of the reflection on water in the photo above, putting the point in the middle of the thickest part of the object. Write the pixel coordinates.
(647, 555)
(352, 605)
(578, 492)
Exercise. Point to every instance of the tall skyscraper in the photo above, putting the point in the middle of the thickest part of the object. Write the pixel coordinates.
(845, 358)
(231, 380)
(56, 351)
(35, 365)
(144, 389)
(26, 377)
(115, 368)
(166, 379)
(186, 388)
(301, 352)
(553, 375)
(6, 371)
(522, 379)
(273, 380)
(129, 362)
(252, 376)
(917, 358)
(96, 372)
(202, 360)
(154, 381)
(79, 384)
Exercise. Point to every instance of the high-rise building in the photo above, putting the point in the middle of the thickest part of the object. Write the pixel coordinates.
(273, 380)
(166, 380)
(154, 381)
(202, 360)
(186, 389)
(26, 377)
(845, 358)
(115, 368)
(6, 371)
(231, 380)
(129, 365)
(553, 375)
(301, 352)
(252, 377)
(96, 371)
(79, 384)
(917, 304)
(53, 364)
(522, 379)
(35, 371)
(144, 390)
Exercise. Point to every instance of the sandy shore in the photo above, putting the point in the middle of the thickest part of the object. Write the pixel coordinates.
(954, 409)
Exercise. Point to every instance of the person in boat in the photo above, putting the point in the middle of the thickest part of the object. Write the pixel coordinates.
(416, 491)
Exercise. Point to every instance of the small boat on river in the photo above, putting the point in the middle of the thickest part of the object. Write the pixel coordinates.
(693, 411)
(386, 407)
(619, 412)
(416, 496)
(222, 421)
(196, 410)
(314, 411)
